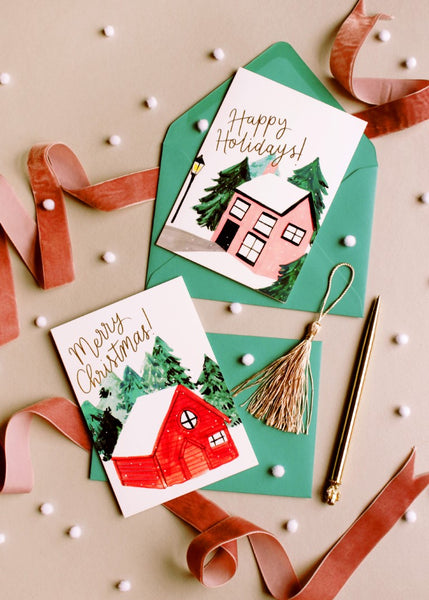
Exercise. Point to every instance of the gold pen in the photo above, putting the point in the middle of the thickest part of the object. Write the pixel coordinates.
(332, 492)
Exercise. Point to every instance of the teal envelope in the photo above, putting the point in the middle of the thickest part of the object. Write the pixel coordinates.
(350, 213)
(271, 446)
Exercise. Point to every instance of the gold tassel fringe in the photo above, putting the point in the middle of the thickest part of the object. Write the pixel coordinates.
(284, 396)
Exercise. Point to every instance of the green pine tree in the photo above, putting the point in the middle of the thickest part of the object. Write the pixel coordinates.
(105, 441)
(213, 388)
(162, 369)
(211, 207)
(280, 289)
(93, 417)
(131, 387)
(311, 178)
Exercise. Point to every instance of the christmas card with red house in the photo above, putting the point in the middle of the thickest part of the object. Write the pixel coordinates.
(153, 396)
(261, 184)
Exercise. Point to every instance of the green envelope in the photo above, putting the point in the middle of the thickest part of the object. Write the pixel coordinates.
(350, 213)
(271, 446)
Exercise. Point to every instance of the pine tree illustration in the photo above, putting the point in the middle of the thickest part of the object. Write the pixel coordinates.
(212, 206)
(311, 178)
(280, 289)
(162, 369)
(109, 392)
(131, 387)
(110, 428)
(213, 388)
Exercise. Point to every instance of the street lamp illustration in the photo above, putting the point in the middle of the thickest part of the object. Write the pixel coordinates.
(196, 168)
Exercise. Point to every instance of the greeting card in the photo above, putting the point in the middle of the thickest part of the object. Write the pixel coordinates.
(261, 184)
(153, 397)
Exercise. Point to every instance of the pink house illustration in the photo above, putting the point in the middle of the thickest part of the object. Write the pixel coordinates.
(268, 222)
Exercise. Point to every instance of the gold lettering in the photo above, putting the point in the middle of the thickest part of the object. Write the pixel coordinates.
(117, 352)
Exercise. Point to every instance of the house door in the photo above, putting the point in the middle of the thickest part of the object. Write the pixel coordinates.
(193, 461)
(227, 234)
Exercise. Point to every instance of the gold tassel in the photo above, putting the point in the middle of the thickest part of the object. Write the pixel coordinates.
(284, 395)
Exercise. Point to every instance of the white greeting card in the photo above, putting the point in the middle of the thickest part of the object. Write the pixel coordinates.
(261, 184)
(153, 397)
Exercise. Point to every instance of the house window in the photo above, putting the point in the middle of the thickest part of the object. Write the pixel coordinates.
(251, 248)
(239, 209)
(265, 224)
(294, 234)
(217, 439)
(188, 419)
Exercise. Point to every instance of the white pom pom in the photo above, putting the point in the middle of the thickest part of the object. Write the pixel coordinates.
(401, 339)
(46, 508)
(109, 257)
(410, 516)
(41, 321)
(75, 532)
(247, 359)
(202, 125)
(425, 198)
(349, 241)
(292, 525)
(151, 102)
(404, 411)
(384, 35)
(124, 585)
(410, 62)
(218, 54)
(109, 31)
(235, 308)
(48, 204)
(114, 140)
(4, 78)
(2, 538)
(278, 471)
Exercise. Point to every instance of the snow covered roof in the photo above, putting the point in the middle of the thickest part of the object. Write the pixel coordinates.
(273, 192)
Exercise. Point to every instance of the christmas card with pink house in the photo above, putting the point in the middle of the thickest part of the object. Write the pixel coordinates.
(261, 184)
(153, 397)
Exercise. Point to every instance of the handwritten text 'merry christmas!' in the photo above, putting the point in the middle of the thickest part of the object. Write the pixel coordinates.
(262, 134)
(105, 349)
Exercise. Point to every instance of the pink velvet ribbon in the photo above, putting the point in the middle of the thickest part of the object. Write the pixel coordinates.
(212, 555)
(45, 246)
(396, 103)
(16, 472)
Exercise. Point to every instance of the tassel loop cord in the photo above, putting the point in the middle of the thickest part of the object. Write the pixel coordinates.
(323, 312)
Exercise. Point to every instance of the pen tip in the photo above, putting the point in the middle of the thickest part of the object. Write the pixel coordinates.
(332, 493)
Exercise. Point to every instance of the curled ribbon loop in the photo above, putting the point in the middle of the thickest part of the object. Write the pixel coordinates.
(398, 103)
(16, 472)
(44, 245)
(276, 569)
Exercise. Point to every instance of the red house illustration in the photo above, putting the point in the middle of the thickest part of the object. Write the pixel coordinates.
(268, 222)
(192, 439)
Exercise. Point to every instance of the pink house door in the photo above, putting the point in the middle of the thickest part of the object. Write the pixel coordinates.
(227, 234)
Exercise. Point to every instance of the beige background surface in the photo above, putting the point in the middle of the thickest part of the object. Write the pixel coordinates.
(71, 84)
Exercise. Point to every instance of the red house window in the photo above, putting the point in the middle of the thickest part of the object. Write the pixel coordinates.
(294, 234)
(239, 209)
(188, 419)
(217, 439)
(265, 224)
(251, 248)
